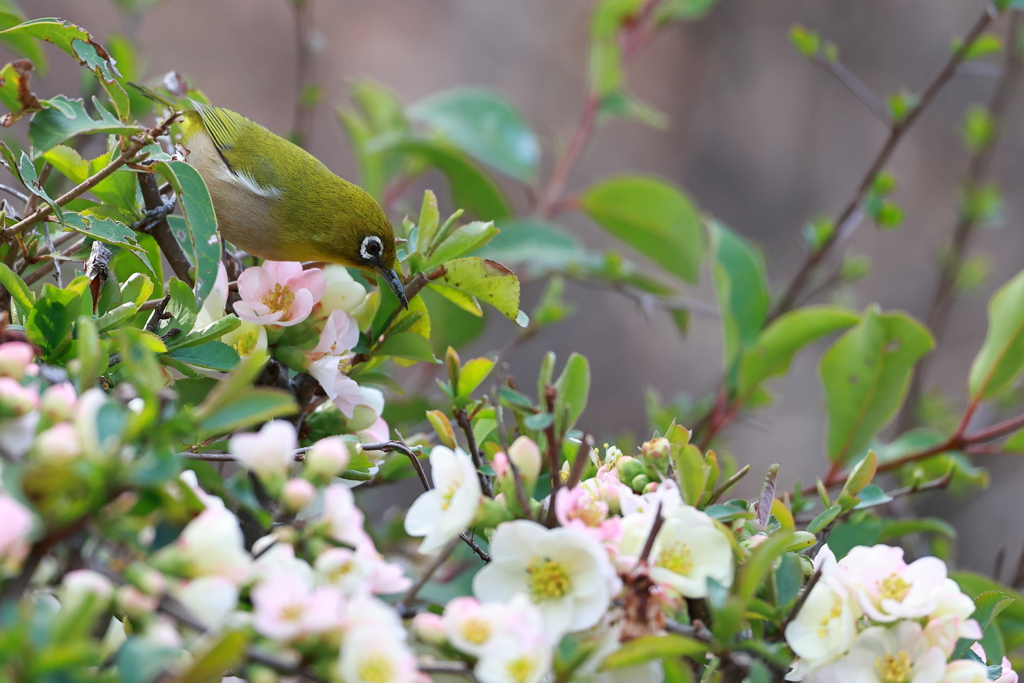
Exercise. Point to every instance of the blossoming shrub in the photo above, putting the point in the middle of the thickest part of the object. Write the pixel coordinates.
(186, 462)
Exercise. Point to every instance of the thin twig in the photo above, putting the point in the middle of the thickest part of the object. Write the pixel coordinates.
(127, 155)
(14, 192)
(855, 86)
(896, 134)
(727, 484)
(161, 230)
(801, 599)
(405, 604)
(978, 172)
(40, 272)
(659, 520)
(462, 418)
(554, 455)
(580, 462)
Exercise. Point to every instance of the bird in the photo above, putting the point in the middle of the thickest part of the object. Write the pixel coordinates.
(277, 201)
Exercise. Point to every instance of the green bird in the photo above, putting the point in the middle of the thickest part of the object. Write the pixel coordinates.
(277, 201)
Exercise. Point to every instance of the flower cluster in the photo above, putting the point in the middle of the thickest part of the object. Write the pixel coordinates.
(873, 617)
(308, 318)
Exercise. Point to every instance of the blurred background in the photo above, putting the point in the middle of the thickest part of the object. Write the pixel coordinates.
(757, 135)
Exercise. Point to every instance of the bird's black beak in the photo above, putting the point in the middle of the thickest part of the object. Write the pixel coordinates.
(391, 277)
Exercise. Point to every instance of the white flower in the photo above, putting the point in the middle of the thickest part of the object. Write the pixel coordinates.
(247, 339)
(345, 569)
(278, 559)
(329, 457)
(965, 671)
(689, 550)
(889, 589)
(517, 654)
(897, 654)
(825, 626)
(212, 544)
(469, 625)
(344, 519)
(270, 452)
(373, 648)
(449, 508)
(343, 293)
(210, 598)
(564, 572)
(338, 386)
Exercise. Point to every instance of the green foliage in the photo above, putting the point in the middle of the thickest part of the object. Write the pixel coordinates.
(1001, 357)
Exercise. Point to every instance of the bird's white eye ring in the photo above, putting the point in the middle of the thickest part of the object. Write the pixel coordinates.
(371, 248)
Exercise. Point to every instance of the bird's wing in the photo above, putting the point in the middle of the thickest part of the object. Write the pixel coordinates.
(225, 128)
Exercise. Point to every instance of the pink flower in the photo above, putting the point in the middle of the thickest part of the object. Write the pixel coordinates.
(338, 386)
(339, 336)
(15, 359)
(279, 293)
(378, 432)
(16, 400)
(344, 519)
(59, 402)
(288, 607)
(577, 509)
(270, 452)
(16, 527)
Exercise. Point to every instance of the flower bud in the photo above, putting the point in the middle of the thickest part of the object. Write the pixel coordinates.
(134, 602)
(268, 453)
(629, 468)
(15, 358)
(343, 293)
(297, 494)
(329, 457)
(82, 584)
(362, 418)
(16, 400)
(59, 442)
(146, 579)
(15, 530)
(639, 482)
(651, 487)
(526, 455)
(58, 402)
(429, 628)
(656, 450)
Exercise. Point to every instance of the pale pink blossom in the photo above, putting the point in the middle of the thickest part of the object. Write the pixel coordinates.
(297, 494)
(210, 598)
(288, 607)
(58, 402)
(270, 452)
(965, 671)
(429, 628)
(279, 293)
(16, 400)
(1007, 675)
(897, 653)
(59, 442)
(577, 508)
(14, 531)
(277, 559)
(16, 359)
(338, 386)
(344, 519)
(212, 545)
(378, 432)
(373, 648)
(329, 457)
(338, 338)
(887, 588)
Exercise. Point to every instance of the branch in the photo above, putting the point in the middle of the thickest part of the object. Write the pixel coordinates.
(554, 455)
(405, 604)
(161, 230)
(855, 86)
(978, 172)
(896, 133)
(127, 155)
(462, 418)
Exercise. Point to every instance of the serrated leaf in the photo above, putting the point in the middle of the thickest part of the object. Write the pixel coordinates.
(407, 345)
(463, 240)
(64, 118)
(485, 280)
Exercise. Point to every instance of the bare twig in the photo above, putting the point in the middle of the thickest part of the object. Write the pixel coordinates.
(12, 191)
(801, 600)
(554, 454)
(40, 272)
(727, 484)
(896, 134)
(127, 155)
(978, 172)
(161, 230)
(462, 418)
(580, 462)
(405, 604)
(659, 520)
(855, 86)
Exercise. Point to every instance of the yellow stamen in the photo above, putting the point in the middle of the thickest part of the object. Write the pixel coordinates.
(548, 579)
(894, 668)
(280, 298)
(834, 613)
(519, 669)
(893, 587)
(376, 669)
(246, 343)
(476, 631)
(676, 559)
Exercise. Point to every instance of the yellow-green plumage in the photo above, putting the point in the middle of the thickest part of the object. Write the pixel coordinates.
(277, 201)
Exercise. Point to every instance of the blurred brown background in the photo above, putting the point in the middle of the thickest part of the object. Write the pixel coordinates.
(759, 137)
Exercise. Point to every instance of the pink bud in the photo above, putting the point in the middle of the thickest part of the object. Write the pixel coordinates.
(297, 494)
(58, 402)
(429, 628)
(656, 449)
(59, 441)
(526, 455)
(16, 400)
(15, 357)
(328, 457)
(15, 529)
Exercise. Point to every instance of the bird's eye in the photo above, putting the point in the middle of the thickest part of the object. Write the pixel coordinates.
(371, 248)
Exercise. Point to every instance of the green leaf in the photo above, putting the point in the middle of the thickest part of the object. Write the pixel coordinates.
(684, 9)
(181, 307)
(136, 289)
(652, 217)
(824, 518)
(647, 648)
(141, 661)
(215, 330)
(472, 374)
(105, 230)
(463, 240)
(227, 653)
(486, 126)
(486, 280)
(27, 46)
(15, 93)
(866, 374)
(428, 223)
(1001, 357)
(573, 386)
(471, 187)
(464, 301)
(49, 324)
(201, 241)
(63, 119)
(251, 407)
(988, 606)
(784, 337)
(213, 355)
(378, 113)
(407, 345)
(116, 317)
(893, 529)
(741, 287)
(20, 293)
(539, 246)
(1010, 619)
(870, 496)
(27, 172)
